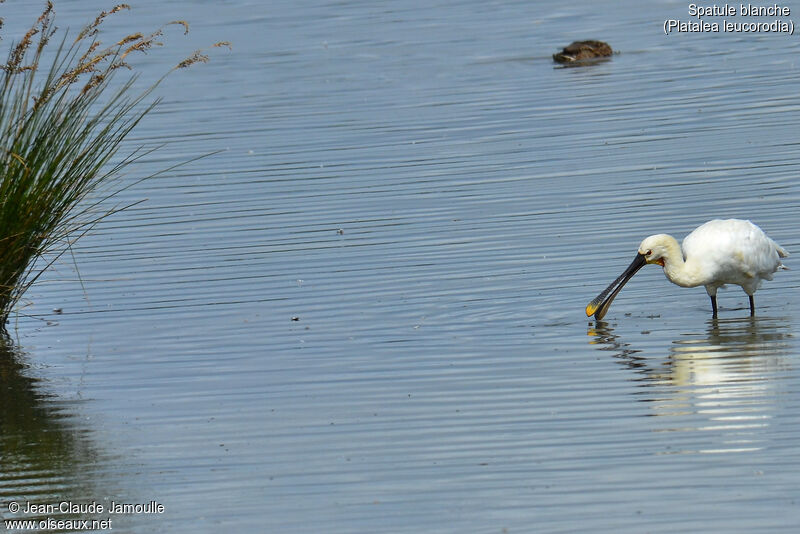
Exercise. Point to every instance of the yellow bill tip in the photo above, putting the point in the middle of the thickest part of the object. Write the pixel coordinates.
(591, 308)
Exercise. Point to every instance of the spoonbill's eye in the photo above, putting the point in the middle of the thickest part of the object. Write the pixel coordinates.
(648, 253)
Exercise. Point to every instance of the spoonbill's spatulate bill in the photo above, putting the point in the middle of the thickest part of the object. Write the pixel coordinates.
(719, 252)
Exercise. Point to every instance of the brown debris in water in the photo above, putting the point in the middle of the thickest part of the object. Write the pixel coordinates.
(583, 52)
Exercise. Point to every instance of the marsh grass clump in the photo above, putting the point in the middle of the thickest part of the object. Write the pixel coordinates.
(61, 124)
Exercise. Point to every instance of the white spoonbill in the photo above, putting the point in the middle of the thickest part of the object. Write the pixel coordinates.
(719, 252)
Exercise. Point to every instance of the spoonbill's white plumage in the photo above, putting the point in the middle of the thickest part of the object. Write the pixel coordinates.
(719, 252)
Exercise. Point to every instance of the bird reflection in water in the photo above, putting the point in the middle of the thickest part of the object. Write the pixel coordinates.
(721, 381)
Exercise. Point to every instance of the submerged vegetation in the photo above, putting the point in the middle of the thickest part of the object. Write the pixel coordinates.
(62, 123)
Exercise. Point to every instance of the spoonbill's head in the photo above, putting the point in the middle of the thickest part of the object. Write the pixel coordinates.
(655, 248)
(652, 250)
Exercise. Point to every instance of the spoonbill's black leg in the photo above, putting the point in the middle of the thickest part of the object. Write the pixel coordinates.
(713, 306)
(752, 306)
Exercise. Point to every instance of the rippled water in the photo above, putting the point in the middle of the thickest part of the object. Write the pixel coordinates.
(365, 313)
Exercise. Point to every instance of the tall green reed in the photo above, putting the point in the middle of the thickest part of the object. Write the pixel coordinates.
(62, 123)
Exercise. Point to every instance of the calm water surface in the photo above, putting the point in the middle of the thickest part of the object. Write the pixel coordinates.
(365, 312)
